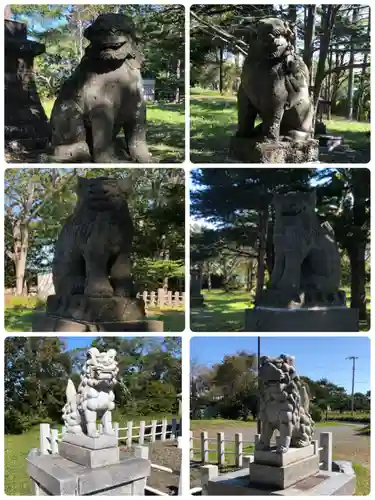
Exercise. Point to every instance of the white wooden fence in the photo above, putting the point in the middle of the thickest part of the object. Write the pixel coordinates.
(147, 433)
(218, 448)
(162, 298)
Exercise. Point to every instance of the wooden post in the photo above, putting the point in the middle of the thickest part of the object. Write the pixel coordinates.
(142, 429)
(152, 299)
(116, 429)
(174, 428)
(325, 441)
(54, 441)
(204, 447)
(239, 449)
(153, 430)
(169, 298)
(164, 424)
(161, 296)
(44, 436)
(220, 448)
(176, 300)
(129, 434)
(144, 297)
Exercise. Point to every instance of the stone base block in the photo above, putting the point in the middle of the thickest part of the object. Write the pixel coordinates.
(196, 301)
(249, 150)
(55, 475)
(92, 443)
(43, 322)
(273, 458)
(324, 319)
(96, 309)
(89, 458)
(285, 476)
(321, 484)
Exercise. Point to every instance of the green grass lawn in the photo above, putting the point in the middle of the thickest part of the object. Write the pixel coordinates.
(17, 447)
(213, 119)
(165, 130)
(19, 319)
(225, 311)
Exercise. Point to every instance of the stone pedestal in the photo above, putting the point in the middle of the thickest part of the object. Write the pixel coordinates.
(26, 124)
(79, 313)
(319, 319)
(55, 475)
(249, 150)
(281, 470)
(42, 322)
(322, 483)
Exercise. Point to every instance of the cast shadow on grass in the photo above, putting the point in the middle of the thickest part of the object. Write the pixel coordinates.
(174, 321)
(166, 141)
(217, 318)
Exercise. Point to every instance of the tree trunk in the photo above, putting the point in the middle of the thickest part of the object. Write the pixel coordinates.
(209, 284)
(178, 77)
(263, 223)
(358, 274)
(363, 73)
(350, 96)
(310, 16)
(221, 70)
(293, 19)
(20, 247)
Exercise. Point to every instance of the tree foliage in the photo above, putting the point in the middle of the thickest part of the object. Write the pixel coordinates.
(61, 29)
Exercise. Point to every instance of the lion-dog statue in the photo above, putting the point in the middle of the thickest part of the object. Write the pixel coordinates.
(103, 96)
(92, 253)
(284, 405)
(94, 399)
(274, 85)
(306, 253)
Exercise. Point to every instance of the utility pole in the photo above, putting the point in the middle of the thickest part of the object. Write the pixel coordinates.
(258, 418)
(353, 358)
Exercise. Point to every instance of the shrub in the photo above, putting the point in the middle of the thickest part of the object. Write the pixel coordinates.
(316, 414)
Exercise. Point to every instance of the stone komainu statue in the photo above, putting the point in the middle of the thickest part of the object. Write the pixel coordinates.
(284, 405)
(103, 96)
(92, 254)
(95, 398)
(274, 85)
(306, 253)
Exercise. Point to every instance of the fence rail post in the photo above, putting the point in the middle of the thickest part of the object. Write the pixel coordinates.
(325, 440)
(142, 425)
(44, 435)
(54, 441)
(153, 430)
(204, 446)
(220, 448)
(208, 472)
(174, 428)
(129, 434)
(116, 429)
(238, 443)
(164, 424)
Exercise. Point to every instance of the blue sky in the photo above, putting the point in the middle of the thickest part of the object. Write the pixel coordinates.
(316, 357)
(75, 342)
